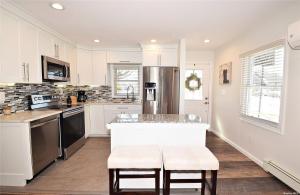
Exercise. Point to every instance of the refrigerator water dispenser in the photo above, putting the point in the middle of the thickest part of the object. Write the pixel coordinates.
(150, 89)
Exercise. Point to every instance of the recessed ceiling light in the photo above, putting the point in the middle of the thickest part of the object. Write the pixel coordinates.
(206, 41)
(96, 40)
(153, 41)
(57, 6)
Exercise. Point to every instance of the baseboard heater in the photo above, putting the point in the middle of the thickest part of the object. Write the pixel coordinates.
(282, 175)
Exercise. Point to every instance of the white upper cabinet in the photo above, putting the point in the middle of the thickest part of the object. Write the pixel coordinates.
(59, 49)
(151, 58)
(51, 46)
(84, 67)
(46, 44)
(124, 57)
(99, 67)
(70, 57)
(11, 68)
(29, 53)
(168, 57)
(160, 55)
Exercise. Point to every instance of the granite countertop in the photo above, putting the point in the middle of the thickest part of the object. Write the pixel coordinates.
(157, 118)
(113, 102)
(27, 116)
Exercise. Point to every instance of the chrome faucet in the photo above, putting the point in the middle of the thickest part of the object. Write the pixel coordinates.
(132, 93)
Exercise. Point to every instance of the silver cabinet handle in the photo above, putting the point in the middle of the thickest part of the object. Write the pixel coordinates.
(124, 61)
(27, 68)
(122, 108)
(78, 79)
(24, 71)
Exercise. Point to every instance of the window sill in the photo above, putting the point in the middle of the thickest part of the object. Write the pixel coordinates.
(262, 125)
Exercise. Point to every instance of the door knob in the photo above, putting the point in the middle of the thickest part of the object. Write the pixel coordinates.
(205, 102)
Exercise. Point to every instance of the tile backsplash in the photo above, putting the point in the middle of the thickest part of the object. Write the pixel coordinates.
(16, 95)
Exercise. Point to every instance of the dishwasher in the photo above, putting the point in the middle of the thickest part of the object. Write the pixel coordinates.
(45, 142)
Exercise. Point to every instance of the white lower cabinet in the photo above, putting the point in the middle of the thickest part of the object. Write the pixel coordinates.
(99, 115)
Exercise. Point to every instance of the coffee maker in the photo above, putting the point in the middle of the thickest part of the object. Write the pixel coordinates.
(81, 97)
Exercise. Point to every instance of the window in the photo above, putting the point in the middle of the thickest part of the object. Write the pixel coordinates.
(262, 84)
(193, 85)
(123, 76)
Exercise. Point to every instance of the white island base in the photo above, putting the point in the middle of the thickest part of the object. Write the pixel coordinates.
(161, 130)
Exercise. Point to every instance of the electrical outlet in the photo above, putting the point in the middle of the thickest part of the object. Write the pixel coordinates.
(2, 97)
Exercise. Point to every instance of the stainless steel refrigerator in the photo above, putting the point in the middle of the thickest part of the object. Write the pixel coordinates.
(161, 90)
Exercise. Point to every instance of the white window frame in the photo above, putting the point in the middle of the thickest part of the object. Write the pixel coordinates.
(265, 124)
(112, 82)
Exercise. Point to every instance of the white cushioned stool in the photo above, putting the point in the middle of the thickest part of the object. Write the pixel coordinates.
(133, 158)
(189, 159)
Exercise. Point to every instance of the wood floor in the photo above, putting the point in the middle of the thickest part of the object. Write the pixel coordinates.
(85, 173)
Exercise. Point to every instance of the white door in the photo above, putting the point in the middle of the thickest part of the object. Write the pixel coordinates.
(197, 101)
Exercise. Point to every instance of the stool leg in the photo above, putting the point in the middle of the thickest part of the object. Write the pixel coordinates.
(167, 185)
(157, 181)
(203, 177)
(117, 180)
(111, 181)
(214, 174)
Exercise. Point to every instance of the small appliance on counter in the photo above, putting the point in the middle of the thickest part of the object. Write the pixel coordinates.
(81, 97)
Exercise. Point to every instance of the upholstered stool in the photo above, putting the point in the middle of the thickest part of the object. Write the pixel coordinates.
(134, 158)
(189, 159)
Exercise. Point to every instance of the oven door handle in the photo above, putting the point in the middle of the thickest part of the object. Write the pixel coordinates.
(71, 113)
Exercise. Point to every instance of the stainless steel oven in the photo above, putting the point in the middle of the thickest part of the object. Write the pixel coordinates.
(72, 131)
(55, 70)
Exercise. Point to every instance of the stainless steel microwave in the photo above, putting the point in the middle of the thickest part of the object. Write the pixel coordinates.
(55, 70)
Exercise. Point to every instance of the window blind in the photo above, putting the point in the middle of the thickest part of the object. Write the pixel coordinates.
(262, 82)
(125, 76)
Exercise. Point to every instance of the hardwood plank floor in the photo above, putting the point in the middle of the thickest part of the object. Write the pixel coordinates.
(85, 173)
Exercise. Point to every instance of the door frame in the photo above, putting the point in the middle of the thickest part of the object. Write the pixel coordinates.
(209, 64)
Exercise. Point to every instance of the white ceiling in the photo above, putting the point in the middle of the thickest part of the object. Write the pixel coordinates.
(127, 23)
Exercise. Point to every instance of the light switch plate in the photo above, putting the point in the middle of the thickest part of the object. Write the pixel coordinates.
(2, 97)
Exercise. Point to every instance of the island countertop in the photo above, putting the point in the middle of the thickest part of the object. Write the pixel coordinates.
(157, 118)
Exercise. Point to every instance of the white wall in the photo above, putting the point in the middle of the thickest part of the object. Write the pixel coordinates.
(198, 57)
(262, 144)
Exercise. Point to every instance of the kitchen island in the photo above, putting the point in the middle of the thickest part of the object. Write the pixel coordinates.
(162, 130)
(159, 129)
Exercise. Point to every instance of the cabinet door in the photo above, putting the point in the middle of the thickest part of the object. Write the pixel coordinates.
(84, 67)
(125, 57)
(110, 114)
(150, 58)
(97, 120)
(168, 57)
(46, 44)
(99, 68)
(70, 57)
(11, 67)
(59, 49)
(29, 52)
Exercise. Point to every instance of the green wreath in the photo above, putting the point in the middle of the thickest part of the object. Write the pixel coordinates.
(193, 77)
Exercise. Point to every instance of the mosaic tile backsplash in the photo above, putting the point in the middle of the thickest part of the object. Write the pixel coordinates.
(17, 95)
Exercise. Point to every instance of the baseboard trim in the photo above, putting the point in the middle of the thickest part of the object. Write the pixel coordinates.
(240, 149)
(98, 135)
